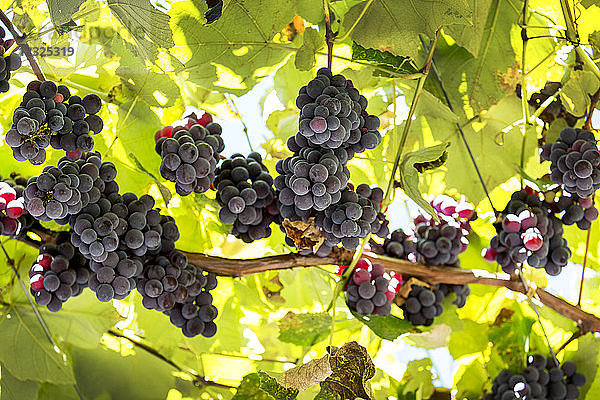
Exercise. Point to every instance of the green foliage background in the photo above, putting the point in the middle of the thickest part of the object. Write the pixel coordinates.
(149, 62)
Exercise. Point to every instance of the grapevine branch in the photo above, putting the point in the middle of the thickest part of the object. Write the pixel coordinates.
(237, 268)
(593, 103)
(433, 275)
(20, 40)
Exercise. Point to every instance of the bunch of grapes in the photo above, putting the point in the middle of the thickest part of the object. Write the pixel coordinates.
(8, 62)
(310, 181)
(422, 305)
(541, 378)
(180, 290)
(333, 114)
(527, 231)
(575, 162)
(369, 291)
(576, 211)
(68, 188)
(115, 277)
(59, 272)
(399, 245)
(461, 291)
(246, 196)
(12, 207)
(439, 243)
(352, 219)
(461, 211)
(190, 153)
(45, 119)
(380, 226)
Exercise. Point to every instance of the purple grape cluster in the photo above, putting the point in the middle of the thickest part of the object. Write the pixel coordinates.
(190, 157)
(171, 285)
(577, 211)
(246, 196)
(333, 114)
(368, 291)
(461, 291)
(541, 379)
(45, 119)
(439, 243)
(528, 231)
(575, 162)
(399, 245)
(350, 220)
(310, 181)
(59, 273)
(380, 226)
(68, 188)
(422, 305)
(8, 63)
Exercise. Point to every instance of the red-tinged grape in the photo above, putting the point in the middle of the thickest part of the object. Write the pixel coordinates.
(533, 241)
(511, 223)
(37, 282)
(360, 276)
(489, 254)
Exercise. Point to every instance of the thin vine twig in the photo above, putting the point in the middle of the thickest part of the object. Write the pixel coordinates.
(593, 102)
(524, 94)
(198, 379)
(573, 38)
(462, 133)
(45, 328)
(583, 266)
(20, 39)
(234, 109)
(329, 35)
(360, 16)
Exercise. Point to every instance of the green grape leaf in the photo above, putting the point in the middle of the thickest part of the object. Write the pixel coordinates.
(313, 42)
(395, 26)
(352, 368)
(260, 386)
(304, 329)
(12, 388)
(418, 379)
(61, 11)
(19, 331)
(471, 380)
(575, 94)
(225, 55)
(388, 328)
(418, 162)
(148, 26)
(383, 59)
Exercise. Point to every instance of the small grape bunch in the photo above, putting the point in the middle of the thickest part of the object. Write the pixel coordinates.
(9, 62)
(246, 196)
(369, 290)
(380, 226)
(190, 154)
(461, 211)
(45, 119)
(310, 181)
(577, 211)
(422, 304)
(399, 245)
(542, 378)
(350, 220)
(461, 291)
(439, 243)
(575, 162)
(59, 273)
(12, 208)
(333, 114)
(115, 277)
(527, 231)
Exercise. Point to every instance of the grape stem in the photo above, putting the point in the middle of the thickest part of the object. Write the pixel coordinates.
(434, 275)
(593, 102)
(20, 40)
(524, 94)
(462, 133)
(198, 380)
(329, 35)
(585, 257)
